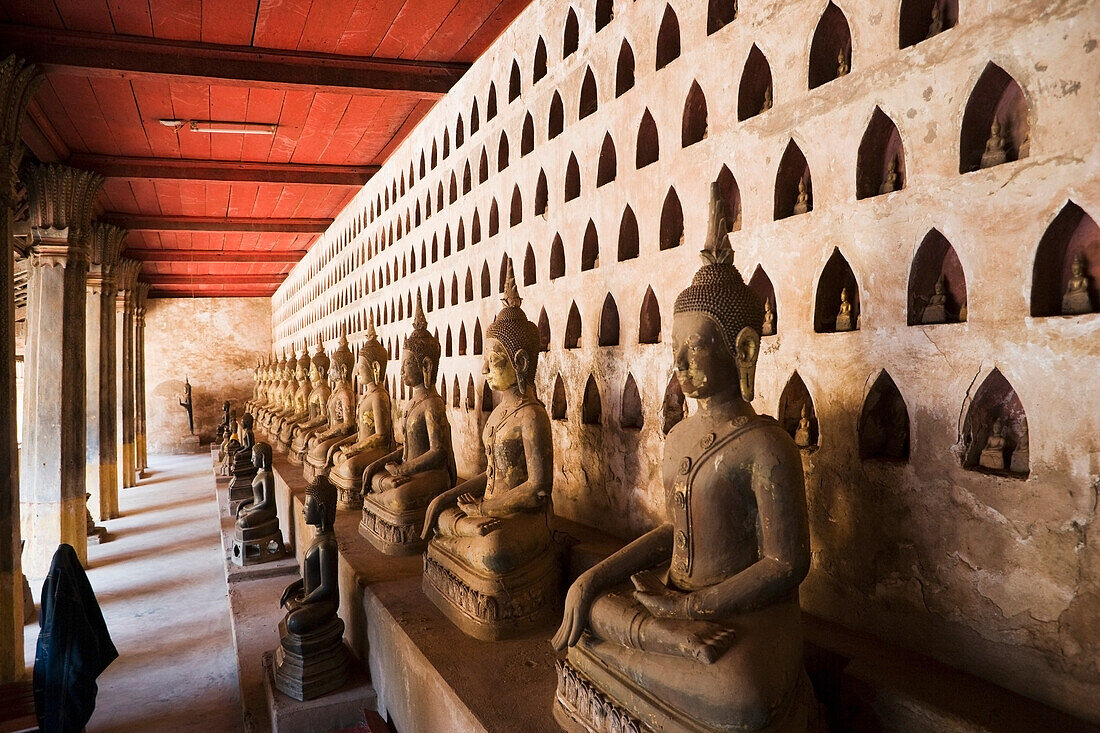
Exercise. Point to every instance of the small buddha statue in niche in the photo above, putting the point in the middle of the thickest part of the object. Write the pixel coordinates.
(311, 659)
(1076, 299)
(843, 65)
(398, 486)
(491, 566)
(341, 413)
(936, 310)
(301, 401)
(993, 455)
(1021, 454)
(769, 319)
(696, 624)
(844, 320)
(802, 203)
(802, 433)
(318, 402)
(256, 534)
(767, 104)
(995, 150)
(936, 26)
(890, 181)
(374, 438)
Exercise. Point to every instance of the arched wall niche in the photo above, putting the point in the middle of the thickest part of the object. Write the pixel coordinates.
(1072, 240)
(544, 331)
(720, 13)
(755, 95)
(589, 99)
(573, 328)
(486, 281)
(836, 286)
(937, 283)
(572, 179)
(542, 194)
(462, 340)
(527, 136)
(762, 284)
(624, 70)
(794, 193)
(673, 405)
(628, 236)
(471, 395)
(996, 125)
(605, 13)
(530, 270)
(672, 221)
(514, 83)
(831, 48)
(590, 248)
(883, 428)
(556, 120)
(668, 38)
(630, 406)
(694, 124)
(559, 405)
(731, 194)
(995, 437)
(538, 69)
(923, 19)
(796, 413)
(609, 323)
(557, 258)
(487, 397)
(649, 319)
(456, 393)
(592, 406)
(570, 35)
(606, 169)
(880, 160)
(648, 146)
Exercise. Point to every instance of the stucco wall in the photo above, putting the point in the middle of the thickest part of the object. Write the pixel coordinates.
(212, 342)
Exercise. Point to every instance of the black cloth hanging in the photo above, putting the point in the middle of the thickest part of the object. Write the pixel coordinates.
(74, 647)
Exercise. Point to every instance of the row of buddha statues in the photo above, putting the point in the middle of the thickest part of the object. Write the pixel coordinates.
(693, 626)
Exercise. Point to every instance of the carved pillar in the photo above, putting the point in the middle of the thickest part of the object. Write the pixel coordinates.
(139, 378)
(101, 447)
(18, 82)
(126, 284)
(52, 471)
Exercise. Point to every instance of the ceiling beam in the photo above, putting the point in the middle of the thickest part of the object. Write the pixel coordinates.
(118, 56)
(184, 169)
(146, 223)
(290, 256)
(198, 281)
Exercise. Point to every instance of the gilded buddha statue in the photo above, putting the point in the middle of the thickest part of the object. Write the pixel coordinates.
(491, 566)
(318, 403)
(341, 413)
(284, 431)
(287, 387)
(398, 486)
(374, 438)
(274, 393)
(696, 625)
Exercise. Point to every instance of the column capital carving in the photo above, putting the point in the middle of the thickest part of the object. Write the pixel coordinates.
(98, 283)
(51, 247)
(142, 294)
(105, 243)
(61, 197)
(18, 83)
(126, 274)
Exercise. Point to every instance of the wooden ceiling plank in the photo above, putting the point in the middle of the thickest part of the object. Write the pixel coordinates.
(242, 200)
(410, 123)
(140, 222)
(324, 25)
(41, 137)
(77, 97)
(191, 101)
(280, 24)
(491, 29)
(166, 169)
(292, 120)
(132, 18)
(357, 122)
(85, 15)
(179, 20)
(33, 13)
(228, 103)
(324, 114)
(264, 105)
(228, 21)
(457, 28)
(189, 279)
(157, 255)
(153, 97)
(415, 25)
(120, 113)
(58, 115)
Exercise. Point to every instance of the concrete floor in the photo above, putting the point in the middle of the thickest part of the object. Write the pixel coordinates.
(161, 584)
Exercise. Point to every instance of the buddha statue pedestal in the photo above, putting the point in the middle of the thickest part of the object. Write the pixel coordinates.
(312, 664)
(392, 532)
(256, 545)
(240, 486)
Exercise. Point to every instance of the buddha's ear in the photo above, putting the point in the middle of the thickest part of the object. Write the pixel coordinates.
(376, 370)
(521, 361)
(746, 351)
(426, 367)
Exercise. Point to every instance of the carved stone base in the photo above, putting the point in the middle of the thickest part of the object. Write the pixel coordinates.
(311, 665)
(250, 548)
(493, 607)
(392, 533)
(580, 707)
(349, 491)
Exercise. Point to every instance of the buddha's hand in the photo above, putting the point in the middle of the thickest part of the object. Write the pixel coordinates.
(398, 472)
(484, 525)
(658, 598)
(291, 591)
(577, 603)
(470, 505)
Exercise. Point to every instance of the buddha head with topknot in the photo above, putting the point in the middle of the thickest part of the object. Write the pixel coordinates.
(373, 358)
(342, 359)
(320, 506)
(717, 319)
(513, 339)
(421, 358)
(319, 364)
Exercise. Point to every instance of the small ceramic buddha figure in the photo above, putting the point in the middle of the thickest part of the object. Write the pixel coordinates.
(843, 65)
(802, 433)
(993, 455)
(936, 310)
(890, 181)
(802, 204)
(936, 26)
(374, 438)
(1076, 299)
(1021, 454)
(844, 321)
(318, 402)
(767, 99)
(769, 319)
(311, 659)
(341, 413)
(285, 432)
(256, 534)
(491, 566)
(399, 486)
(696, 626)
(995, 149)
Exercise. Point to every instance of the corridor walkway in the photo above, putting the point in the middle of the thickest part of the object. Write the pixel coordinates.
(161, 584)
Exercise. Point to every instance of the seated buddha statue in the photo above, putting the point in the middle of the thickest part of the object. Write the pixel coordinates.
(311, 659)
(696, 624)
(1076, 299)
(285, 427)
(341, 413)
(996, 151)
(399, 485)
(242, 470)
(491, 566)
(993, 454)
(936, 310)
(374, 438)
(274, 391)
(287, 405)
(256, 534)
(318, 403)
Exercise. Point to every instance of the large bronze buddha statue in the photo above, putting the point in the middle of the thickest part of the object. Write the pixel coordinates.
(341, 413)
(491, 566)
(398, 487)
(284, 429)
(374, 438)
(695, 625)
(318, 402)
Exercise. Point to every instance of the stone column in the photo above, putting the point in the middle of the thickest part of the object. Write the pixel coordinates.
(101, 448)
(52, 458)
(126, 283)
(18, 82)
(142, 456)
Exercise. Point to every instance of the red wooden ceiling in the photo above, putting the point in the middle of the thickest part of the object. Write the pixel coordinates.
(81, 111)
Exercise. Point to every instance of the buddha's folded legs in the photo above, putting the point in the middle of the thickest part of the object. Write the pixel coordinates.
(618, 618)
(309, 616)
(416, 492)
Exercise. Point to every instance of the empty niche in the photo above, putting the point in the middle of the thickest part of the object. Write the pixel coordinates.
(430, 301)
(884, 423)
(486, 397)
(446, 153)
(538, 67)
(668, 39)
(462, 340)
(762, 284)
(573, 328)
(486, 281)
(502, 274)
(649, 148)
(572, 178)
(475, 123)
(605, 172)
(609, 323)
(557, 258)
(454, 289)
(542, 194)
(624, 70)
(995, 126)
(439, 197)
(559, 404)
(694, 126)
(569, 36)
(630, 410)
(454, 189)
(477, 337)
(441, 295)
(515, 216)
(469, 285)
(443, 389)
(673, 405)
(628, 236)
(502, 152)
(589, 101)
(793, 185)
(922, 19)
(672, 221)
(731, 194)
(513, 82)
(544, 331)
(605, 12)
(796, 413)
(494, 218)
(556, 121)
(831, 48)
(471, 398)
(937, 284)
(590, 249)
(592, 407)
(527, 137)
(491, 102)
(467, 179)
(456, 393)
(720, 13)
(837, 304)
(483, 167)
(435, 248)
(880, 162)
(995, 433)
(649, 319)
(755, 93)
(1067, 265)
(475, 229)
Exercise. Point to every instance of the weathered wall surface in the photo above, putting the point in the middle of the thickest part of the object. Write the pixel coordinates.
(996, 574)
(212, 342)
